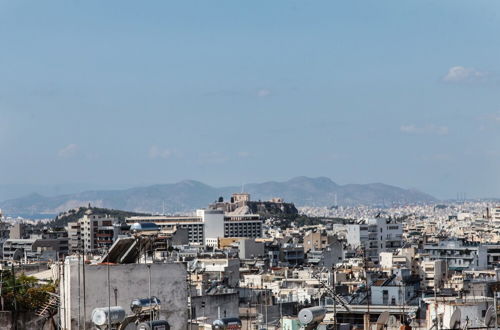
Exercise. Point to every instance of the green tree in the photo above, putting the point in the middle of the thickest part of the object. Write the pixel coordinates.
(24, 293)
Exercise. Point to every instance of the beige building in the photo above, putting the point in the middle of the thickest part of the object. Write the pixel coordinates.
(316, 241)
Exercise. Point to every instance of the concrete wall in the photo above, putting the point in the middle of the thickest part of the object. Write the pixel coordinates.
(353, 235)
(249, 249)
(168, 283)
(228, 303)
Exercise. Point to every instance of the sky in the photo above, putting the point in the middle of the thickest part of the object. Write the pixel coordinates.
(231, 92)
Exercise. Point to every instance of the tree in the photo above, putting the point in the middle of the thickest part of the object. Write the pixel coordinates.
(24, 293)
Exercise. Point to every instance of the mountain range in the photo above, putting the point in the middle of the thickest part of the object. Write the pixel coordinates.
(188, 195)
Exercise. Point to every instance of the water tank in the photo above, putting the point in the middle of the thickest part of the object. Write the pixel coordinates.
(138, 306)
(154, 325)
(312, 315)
(100, 315)
(226, 323)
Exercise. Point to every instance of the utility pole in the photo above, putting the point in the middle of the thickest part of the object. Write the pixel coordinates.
(265, 301)
(190, 301)
(84, 292)
(150, 299)
(365, 262)
(334, 300)
(1, 287)
(436, 306)
(109, 298)
(79, 304)
(14, 292)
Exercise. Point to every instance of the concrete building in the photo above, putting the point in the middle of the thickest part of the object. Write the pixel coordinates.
(75, 243)
(248, 248)
(98, 232)
(328, 256)
(433, 273)
(472, 311)
(375, 236)
(458, 255)
(316, 240)
(208, 225)
(389, 261)
(34, 249)
(19, 249)
(126, 282)
(209, 306)
(291, 255)
(222, 270)
(495, 214)
(18, 231)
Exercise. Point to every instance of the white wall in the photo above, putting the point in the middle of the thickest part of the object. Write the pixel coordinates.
(214, 224)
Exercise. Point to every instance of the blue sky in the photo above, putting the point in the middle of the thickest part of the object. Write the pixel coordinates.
(228, 92)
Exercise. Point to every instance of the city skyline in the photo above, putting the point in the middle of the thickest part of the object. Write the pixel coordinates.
(114, 93)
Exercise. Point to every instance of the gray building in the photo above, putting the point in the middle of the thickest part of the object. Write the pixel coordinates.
(127, 282)
(249, 249)
(209, 306)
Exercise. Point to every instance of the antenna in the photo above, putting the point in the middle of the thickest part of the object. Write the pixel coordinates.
(242, 188)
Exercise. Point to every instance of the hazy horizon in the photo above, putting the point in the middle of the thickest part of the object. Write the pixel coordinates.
(125, 93)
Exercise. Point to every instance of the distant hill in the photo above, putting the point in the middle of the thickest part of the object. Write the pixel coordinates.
(188, 195)
(62, 219)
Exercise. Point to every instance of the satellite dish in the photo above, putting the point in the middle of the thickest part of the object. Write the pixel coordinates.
(489, 317)
(393, 323)
(383, 318)
(455, 319)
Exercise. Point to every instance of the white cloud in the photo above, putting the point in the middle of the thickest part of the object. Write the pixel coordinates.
(68, 151)
(263, 92)
(427, 129)
(460, 74)
(156, 152)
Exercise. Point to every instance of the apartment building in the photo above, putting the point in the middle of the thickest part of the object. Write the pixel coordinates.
(93, 232)
(208, 225)
(433, 273)
(18, 249)
(458, 254)
(375, 236)
(316, 240)
(74, 237)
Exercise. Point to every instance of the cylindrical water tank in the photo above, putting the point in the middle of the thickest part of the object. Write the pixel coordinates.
(100, 315)
(312, 315)
(138, 306)
(154, 325)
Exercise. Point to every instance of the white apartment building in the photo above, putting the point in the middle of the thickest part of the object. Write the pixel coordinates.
(495, 214)
(433, 273)
(207, 226)
(375, 236)
(96, 232)
(459, 256)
